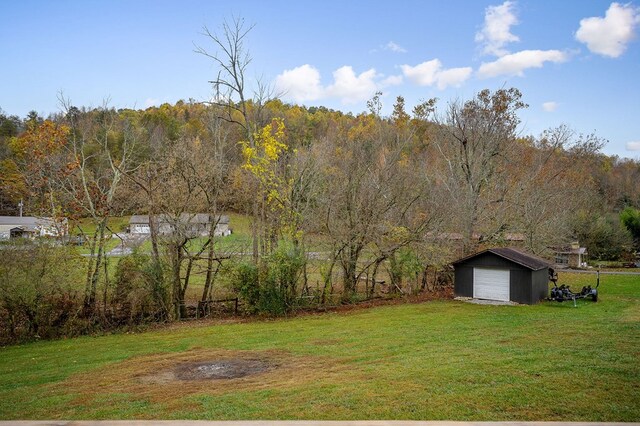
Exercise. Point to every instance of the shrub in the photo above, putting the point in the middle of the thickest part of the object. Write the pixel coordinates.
(630, 217)
(39, 285)
(605, 237)
(140, 292)
(285, 267)
(271, 288)
(244, 278)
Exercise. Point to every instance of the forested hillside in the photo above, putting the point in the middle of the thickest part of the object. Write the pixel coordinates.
(334, 200)
(462, 168)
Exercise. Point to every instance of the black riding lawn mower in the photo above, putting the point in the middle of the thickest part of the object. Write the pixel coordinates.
(564, 293)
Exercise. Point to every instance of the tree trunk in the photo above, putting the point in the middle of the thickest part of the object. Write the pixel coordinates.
(349, 267)
(208, 282)
(90, 265)
(425, 279)
(153, 232)
(374, 274)
(94, 268)
(328, 279)
(395, 273)
(178, 294)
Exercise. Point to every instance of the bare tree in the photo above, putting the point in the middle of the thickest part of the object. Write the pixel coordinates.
(371, 196)
(546, 193)
(102, 146)
(214, 183)
(232, 58)
(474, 141)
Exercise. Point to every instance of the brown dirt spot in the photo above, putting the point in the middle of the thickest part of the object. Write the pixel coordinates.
(167, 378)
(199, 364)
(221, 369)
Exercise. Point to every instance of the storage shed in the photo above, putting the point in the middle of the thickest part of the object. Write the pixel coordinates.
(504, 274)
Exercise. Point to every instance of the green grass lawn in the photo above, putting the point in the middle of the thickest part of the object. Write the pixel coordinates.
(435, 360)
(116, 224)
(86, 225)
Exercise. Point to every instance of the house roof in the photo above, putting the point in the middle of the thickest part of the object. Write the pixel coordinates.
(521, 258)
(139, 218)
(26, 222)
(570, 250)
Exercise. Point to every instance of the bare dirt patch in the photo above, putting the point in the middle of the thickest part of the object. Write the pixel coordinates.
(215, 369)
(201, 365)
(169, 378)
(222, 369)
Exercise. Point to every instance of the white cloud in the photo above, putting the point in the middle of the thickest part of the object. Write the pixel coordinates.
(453, 77)
(516, 63)
(430, 72)
(352, 88)
(496, 32)
(303, 83)
(633, 146)
(149, 102)
(550, 106)
(423, 74)
(300, 84)
(392, 80)
(394, 47)
(610, 35)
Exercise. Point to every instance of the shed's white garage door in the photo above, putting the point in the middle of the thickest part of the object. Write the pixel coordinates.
(492, 284)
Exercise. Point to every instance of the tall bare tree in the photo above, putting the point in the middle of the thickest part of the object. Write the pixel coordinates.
(230, 93)
(371, 195)
(101, 146)
(474, 141)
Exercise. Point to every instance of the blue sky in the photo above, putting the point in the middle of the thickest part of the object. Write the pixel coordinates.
(576, 62)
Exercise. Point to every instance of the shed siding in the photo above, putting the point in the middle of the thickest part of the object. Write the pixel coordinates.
(519, 284)
(525, 286)
(463, 282)
(539, 285)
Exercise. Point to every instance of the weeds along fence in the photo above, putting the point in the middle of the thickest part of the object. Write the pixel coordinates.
(42, 288)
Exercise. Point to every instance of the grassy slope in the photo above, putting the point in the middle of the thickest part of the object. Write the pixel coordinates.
(116, 224)
(239, 241)
(437, 360)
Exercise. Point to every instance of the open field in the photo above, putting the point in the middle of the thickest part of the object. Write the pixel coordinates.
(435, 360)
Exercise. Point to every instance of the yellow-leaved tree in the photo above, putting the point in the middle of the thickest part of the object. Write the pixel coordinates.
(265, 162)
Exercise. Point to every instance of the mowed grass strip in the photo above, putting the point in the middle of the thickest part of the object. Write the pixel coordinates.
(436, 360)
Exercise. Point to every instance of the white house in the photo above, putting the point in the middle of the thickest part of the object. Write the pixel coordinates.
(572, 256)
(29, 226)
(194, 224)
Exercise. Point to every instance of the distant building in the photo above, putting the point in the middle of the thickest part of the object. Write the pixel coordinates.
(31, 227)
(191, 224)
(503, 274)
(571, 256)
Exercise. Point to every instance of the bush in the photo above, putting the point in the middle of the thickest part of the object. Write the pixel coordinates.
(39, 294)
(605, 237)
(405, 264)
(140, 292)
(271, 288)
(244, 278)
(630, 217)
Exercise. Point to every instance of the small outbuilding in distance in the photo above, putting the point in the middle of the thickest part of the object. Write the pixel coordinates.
(504, 274)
